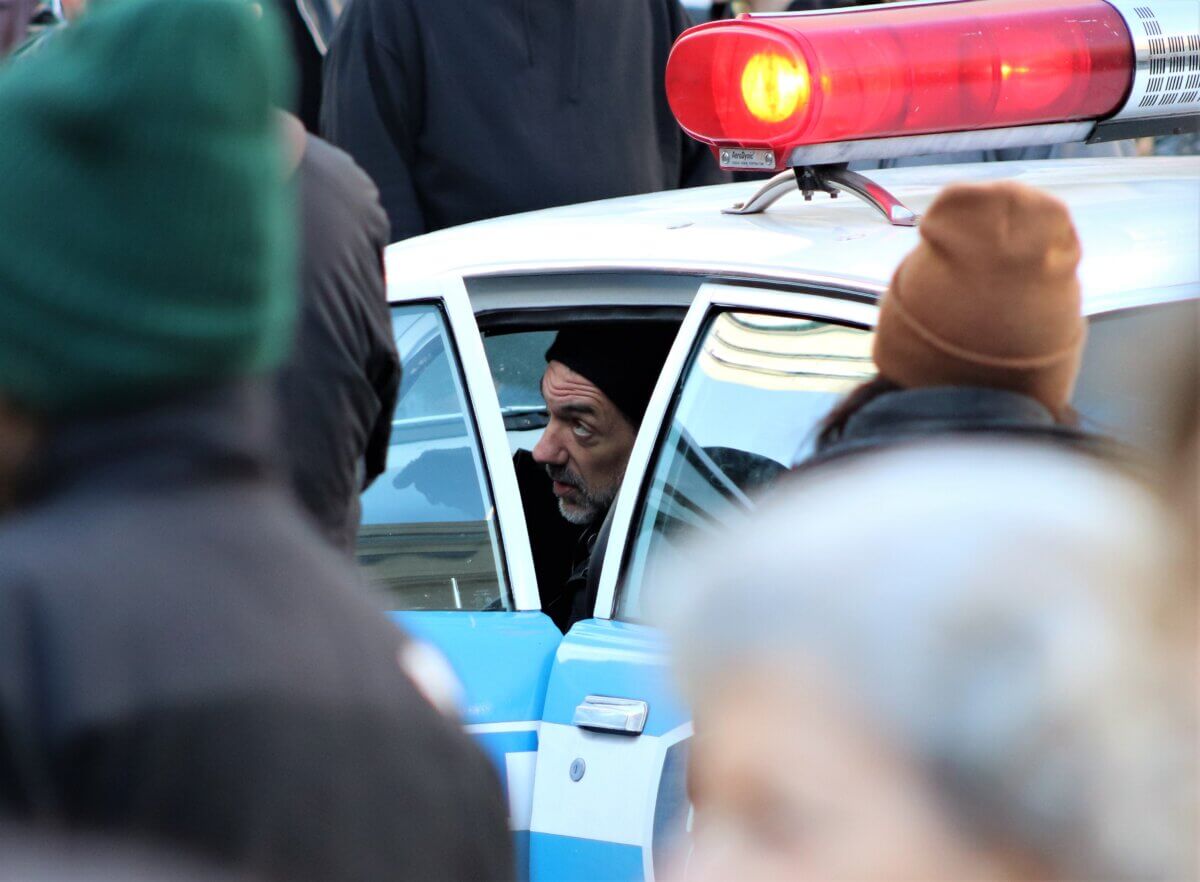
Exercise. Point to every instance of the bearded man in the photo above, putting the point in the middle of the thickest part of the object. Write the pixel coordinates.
(597, 383)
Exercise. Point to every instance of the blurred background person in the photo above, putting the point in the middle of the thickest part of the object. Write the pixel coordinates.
(183, 660)
(14, 23)
(734, 8)
(338, 387)
(47, 855)
(941, 663)
(45, 18)
(309, 24)
(981, 329)
(461, 112)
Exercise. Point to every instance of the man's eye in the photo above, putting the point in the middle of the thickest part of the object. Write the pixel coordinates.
(581, 431)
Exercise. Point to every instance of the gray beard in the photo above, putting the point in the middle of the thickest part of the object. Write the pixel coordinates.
(590, 507)
(581, 516)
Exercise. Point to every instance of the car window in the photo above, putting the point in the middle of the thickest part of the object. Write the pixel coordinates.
(1125, 389)
(751, 398)
(428, 538)
(517, 362)
(756, 389)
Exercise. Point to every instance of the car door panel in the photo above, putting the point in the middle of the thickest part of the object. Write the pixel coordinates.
(629, 811)
(608, 782)
(501, 703)
(444, 537)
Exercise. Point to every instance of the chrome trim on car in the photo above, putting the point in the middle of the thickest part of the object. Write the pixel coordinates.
(941, 142)
(600, 713)
(1166, 44)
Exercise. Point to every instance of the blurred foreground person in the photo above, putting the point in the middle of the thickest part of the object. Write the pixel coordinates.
(338, 388)
(53, 856)
(981, 329)
(465, 111)
(981, 689)
(182, 659)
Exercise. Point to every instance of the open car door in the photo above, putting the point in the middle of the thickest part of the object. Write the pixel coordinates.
(750, 375)
(443, 537)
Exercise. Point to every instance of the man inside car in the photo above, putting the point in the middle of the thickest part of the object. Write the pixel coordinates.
(596, 385)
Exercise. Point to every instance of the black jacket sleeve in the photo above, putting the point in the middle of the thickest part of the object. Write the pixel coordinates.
(698, 167)
(372, 102)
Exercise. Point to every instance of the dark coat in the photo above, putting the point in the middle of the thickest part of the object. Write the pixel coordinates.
(464, 111)
(338, 390)
(182, 658)
(917, 414)
(303, 33)
(561, 550)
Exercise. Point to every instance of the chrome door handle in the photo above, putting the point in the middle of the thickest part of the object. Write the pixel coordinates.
(624, 716)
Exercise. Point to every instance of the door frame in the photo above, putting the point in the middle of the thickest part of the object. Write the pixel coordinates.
(850, 305)
(484, 406)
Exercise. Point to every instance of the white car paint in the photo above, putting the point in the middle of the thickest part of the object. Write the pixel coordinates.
(1138, 219)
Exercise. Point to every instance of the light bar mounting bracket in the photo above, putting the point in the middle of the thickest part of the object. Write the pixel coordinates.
(829, 179)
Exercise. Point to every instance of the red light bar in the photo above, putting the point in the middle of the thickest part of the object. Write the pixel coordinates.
(779, 82)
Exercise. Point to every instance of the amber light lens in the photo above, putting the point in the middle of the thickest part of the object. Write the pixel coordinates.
(773, 86)
(874, 72)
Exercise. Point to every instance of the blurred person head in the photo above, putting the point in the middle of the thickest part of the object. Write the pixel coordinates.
(944, 662)
(597, 384)
(988, 298)
(152, 254)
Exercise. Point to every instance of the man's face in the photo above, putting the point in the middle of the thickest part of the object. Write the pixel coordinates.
(586, 445)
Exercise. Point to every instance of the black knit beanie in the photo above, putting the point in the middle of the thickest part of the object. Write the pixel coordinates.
(623, 359)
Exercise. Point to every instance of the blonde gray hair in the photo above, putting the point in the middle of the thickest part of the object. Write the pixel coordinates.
(996, 612)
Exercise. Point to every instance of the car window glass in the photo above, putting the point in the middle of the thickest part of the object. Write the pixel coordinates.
(751, 398)
(428, 538)
(1125, 387)
(517, 362)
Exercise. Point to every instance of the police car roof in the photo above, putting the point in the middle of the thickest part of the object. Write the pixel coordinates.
(1138, 219)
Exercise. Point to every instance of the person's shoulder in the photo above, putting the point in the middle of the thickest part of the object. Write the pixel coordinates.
(328, 162)
(341, 188)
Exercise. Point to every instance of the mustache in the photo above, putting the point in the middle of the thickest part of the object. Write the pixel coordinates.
(564, 475)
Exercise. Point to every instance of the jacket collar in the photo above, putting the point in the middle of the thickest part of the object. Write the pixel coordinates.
(221, 433)
(945, 409)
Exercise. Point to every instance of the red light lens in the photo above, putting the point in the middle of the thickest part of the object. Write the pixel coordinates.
(781, 82)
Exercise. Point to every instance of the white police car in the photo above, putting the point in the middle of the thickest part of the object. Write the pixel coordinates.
(776, 308)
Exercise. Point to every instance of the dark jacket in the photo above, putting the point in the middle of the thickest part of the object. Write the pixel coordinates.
(463, 111)
(183, 659)
(916, 414)
(561, 550)
(302, 19)
(338, 390)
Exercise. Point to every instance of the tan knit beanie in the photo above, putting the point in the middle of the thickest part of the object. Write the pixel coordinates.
(989, 297)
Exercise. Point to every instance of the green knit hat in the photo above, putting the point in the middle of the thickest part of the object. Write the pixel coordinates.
(147, 235)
